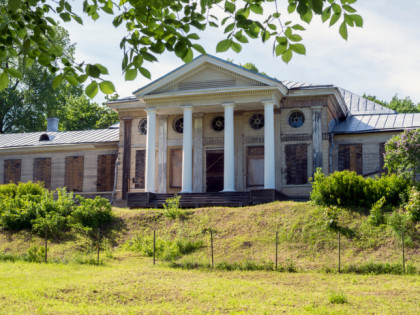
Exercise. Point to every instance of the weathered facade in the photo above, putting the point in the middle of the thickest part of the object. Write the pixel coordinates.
(211, 126)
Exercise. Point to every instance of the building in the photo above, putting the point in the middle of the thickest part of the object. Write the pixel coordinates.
(208, 127)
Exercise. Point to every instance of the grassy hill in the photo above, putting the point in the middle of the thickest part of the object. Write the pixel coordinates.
(241, 235)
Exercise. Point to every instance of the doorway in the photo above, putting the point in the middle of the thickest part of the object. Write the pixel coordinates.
(214, 170)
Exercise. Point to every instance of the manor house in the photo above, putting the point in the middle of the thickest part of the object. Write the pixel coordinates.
(217, 134)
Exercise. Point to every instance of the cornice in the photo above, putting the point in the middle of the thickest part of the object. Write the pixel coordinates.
(60, 147)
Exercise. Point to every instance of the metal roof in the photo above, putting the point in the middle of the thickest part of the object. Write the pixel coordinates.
(31, 139)
(293, 85)
(377, 123)
(359, 105)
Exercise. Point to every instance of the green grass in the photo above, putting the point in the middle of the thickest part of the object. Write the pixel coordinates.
(243, 280)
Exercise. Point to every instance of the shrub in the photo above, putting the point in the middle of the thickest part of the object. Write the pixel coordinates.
(376, 216)
(347, 189)
(413, 205)
(379, 268)
(171, 208)
(337, 297)
(92, 213)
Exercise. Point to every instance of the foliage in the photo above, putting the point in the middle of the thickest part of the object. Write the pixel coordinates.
(402, 153)
(413, 205)
(154, 27)
(171, 208)
(400, 105)
(347, 189)
(30, 206)
(165, 249)
(376, 216)
(35, 254)
(337, 297)
(373, 268)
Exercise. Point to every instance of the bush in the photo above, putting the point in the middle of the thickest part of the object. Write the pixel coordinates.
(171, 209)
(379, 268)
(92, 213)
(337, 297)
(413, 205)
(347, 189)
(376, 216)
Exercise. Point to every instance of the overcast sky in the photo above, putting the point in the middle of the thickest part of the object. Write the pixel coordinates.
(382, 58)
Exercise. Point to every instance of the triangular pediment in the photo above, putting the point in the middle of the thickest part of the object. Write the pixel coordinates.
(207, 73)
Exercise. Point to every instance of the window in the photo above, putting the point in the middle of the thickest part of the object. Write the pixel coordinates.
(296, 164)
(350, 157)
(106, 172)
(218, 123)
(178, 125)
(73, 177)
(296, 119)
(256, 121)
(42, 171)
(12, 170)
(143, 126)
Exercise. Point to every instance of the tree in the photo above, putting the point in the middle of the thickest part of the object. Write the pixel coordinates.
(400, 105)
(155, 26)
(79, 113)
(402, 154)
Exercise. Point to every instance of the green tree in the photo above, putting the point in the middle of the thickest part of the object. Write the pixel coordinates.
(402, 153)
(400, 105)
(79, 113)
(156, 26)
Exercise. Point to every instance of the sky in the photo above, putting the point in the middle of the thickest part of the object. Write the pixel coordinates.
(381, 59)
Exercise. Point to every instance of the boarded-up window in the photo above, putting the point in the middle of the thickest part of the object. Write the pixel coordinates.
(350, 157)
(175, 168)
(255, 166)
(140, 169)
(106, 172)
(296, 164)
(12, 169)
(42, 171)
(381, 156)
(73, 178)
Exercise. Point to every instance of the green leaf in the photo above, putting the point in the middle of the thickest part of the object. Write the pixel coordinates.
(348, 8)
(295, 37)
(230, 27)
(223, 45)
(107, 87)
(193, 36)
(349, 21)
(236, 47)
(358, 20)
(298, 27)
(230, 7)
(292, 7)
(13, 5)
(280, 49)
(93, 71)
(199, 48)
(298, 48)
(343, 30)
(130, 74)
(44, 59)
(189, 56)
(287, 56)
(256, 8)
(57, 81)
(72, 80)
(92, 89)
(326, 14)
(101, 68)
(335, 17)
(66, 17)
(14, 72)
(144, 72)
(4, 81)
(307, 17)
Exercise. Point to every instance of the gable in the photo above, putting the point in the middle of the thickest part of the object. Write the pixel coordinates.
(209, 78)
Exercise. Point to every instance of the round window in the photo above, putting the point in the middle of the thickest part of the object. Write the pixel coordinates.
(218, 123)
(256, 121)
(143, 126)
(296, 119)
(178, 125)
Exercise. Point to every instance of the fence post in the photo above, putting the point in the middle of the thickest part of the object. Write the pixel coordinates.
(99, 240)
(154, 247)
(277, 247)
(403, 253)
(211, 241)
(46, 243)
(339, 253)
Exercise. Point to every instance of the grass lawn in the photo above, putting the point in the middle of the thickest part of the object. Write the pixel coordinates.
(131, 284)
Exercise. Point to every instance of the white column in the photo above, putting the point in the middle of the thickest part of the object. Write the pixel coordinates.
(269, 145)
(229, 158)
(150, 150)
(162, 153)
(198, 153)
(187, 150)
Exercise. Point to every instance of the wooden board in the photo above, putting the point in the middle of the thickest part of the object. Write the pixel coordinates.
(175, 168)
(255, 166)
(106, 172)
(42, 171)
(12, 171)
(73, 177)
(296, 164)
(214, 170)
(139, 179)
(350, 157)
